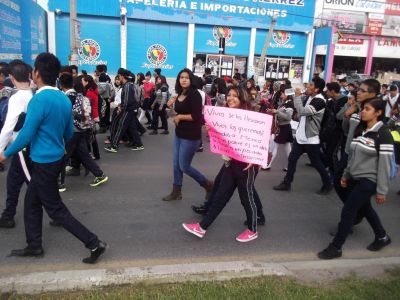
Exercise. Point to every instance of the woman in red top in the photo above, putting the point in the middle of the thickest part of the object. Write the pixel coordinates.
(92, 93)
(148, 87)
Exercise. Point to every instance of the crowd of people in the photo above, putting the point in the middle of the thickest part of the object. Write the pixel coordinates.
(50, 116)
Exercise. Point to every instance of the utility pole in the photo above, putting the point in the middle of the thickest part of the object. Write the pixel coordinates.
(260, 65)
(73, 58)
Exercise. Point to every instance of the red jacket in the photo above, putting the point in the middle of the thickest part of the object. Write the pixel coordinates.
(93, 96)
(148, 86)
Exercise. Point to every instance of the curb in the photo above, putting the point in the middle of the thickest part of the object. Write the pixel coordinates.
(34, 283)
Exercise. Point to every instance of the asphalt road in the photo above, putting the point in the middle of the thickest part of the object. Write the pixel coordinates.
(141, 230)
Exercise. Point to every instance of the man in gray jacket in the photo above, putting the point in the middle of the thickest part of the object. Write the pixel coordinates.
(307, 135)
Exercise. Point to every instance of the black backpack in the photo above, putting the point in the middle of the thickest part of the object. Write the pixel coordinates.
(328, 123)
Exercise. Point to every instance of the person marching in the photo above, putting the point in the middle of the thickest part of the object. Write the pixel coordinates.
(77, 146)
(283, 134)
(234, 174)
(367, 174)
(126, 113)
(188, 106)
(160, 105)
(48, 126)
(18, 172)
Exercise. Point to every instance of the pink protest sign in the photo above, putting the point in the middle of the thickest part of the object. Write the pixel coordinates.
(240, 134)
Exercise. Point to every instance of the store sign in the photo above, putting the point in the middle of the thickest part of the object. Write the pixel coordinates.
(371, 6)
(157, 55)
(347, 22)
(222, 32)
(387, 48)
(89, 52)
(351, 47)
(283, 43)
(391, 26)
(235, 13)
(392, 7)
(206, 39)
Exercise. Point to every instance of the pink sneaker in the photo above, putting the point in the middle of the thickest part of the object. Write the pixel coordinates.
(247, 236)
(107, 142)
(195, 229)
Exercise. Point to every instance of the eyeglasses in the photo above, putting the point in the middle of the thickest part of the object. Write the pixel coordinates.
(362, 91)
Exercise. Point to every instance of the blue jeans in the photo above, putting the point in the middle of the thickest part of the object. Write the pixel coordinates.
(184, 150)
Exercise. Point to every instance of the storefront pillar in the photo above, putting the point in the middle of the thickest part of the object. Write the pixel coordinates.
(370, 55)
(250, 60)
(330, 55)
(308, 57)
(190, 46)
(51, 31)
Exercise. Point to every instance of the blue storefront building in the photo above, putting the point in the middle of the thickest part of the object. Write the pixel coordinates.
(173, 34)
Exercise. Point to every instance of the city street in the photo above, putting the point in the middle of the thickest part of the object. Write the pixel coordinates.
(141, 230)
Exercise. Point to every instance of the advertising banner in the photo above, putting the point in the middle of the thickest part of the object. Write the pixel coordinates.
(10, 31)
(392, 7)
(22, 31)
(352, 47)
(347, 22)
(375, 24)
(240, 134)
(290, 14)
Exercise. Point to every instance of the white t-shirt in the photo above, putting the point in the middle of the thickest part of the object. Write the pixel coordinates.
(17, 104)
(392, 102)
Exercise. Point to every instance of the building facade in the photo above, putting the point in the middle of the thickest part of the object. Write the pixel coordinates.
(173, 34)
(364, 37)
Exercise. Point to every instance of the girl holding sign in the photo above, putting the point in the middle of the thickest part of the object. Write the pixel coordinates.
(233, 174)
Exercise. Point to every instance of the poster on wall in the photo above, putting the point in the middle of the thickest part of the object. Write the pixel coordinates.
(227, 63)
(296, 71)
(283, 69)
(213, 62)
(388, 25)
(271, 68)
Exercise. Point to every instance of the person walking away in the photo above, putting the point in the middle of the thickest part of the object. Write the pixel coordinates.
(77, 146)
(92, 93)
(160, 105)
(307, 136)
(367, 174)
(48, 126)
(126, 113)
(106, 92)
(188, 106)
(18, 172)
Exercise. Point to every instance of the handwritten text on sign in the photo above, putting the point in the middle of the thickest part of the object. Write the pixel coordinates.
(240, 134)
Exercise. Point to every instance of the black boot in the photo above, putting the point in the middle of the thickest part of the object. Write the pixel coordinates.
(7, 222)
(330, 253)
(27, 252)
(283, 186)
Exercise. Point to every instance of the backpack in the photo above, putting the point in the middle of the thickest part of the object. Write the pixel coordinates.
(328, 123)
(394, 168)
(3, 110)
(81, 110)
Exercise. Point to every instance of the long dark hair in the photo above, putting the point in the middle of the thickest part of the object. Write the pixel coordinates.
(377, 104)
(244, 97)
(91, 84)
(178, 87)
(163, 82)
(139, 78)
